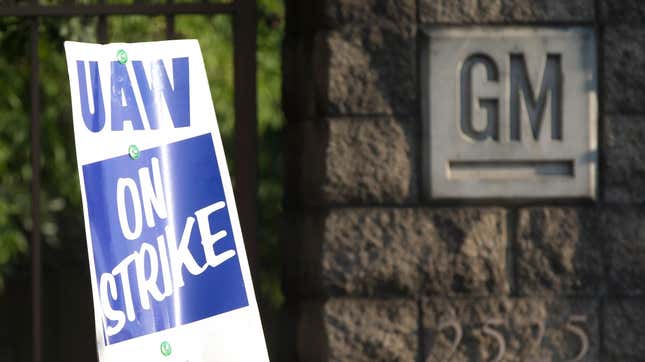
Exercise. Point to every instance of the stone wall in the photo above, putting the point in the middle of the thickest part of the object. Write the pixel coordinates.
(377, 272)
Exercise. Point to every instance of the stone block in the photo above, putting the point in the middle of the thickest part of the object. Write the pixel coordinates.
(486, 11)
(502, 329)
(624, 149)
(400, 14)
(460, 11)
(559, 252)
(359, 330)
(624, 330)
(405, 251)
(549, 10)
(624, 69)
(366, 70)
(623, 11)
(358, 160)
(623, 233)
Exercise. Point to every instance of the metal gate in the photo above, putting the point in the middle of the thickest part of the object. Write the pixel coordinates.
(245, 149)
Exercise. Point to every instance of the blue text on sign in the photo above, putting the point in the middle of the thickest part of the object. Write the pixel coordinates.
(157, 93)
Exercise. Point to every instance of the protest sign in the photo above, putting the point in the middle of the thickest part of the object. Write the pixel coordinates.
(169, 272)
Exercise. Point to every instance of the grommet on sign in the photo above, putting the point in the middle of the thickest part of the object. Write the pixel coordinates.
(134, 152)
(166, 349)
(122, 56)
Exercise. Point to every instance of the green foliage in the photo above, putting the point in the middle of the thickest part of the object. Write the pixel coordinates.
(59, 192)
(14, 146)
(60, 195)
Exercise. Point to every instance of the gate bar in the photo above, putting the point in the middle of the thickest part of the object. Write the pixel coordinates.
(118, 9)
(36, 262)
(170, 23)
(101, 26)
(246, 137)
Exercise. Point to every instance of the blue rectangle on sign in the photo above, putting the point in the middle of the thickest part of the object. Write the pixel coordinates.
(162, 241)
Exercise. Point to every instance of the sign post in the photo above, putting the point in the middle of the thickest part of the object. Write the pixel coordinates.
(170, 276)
